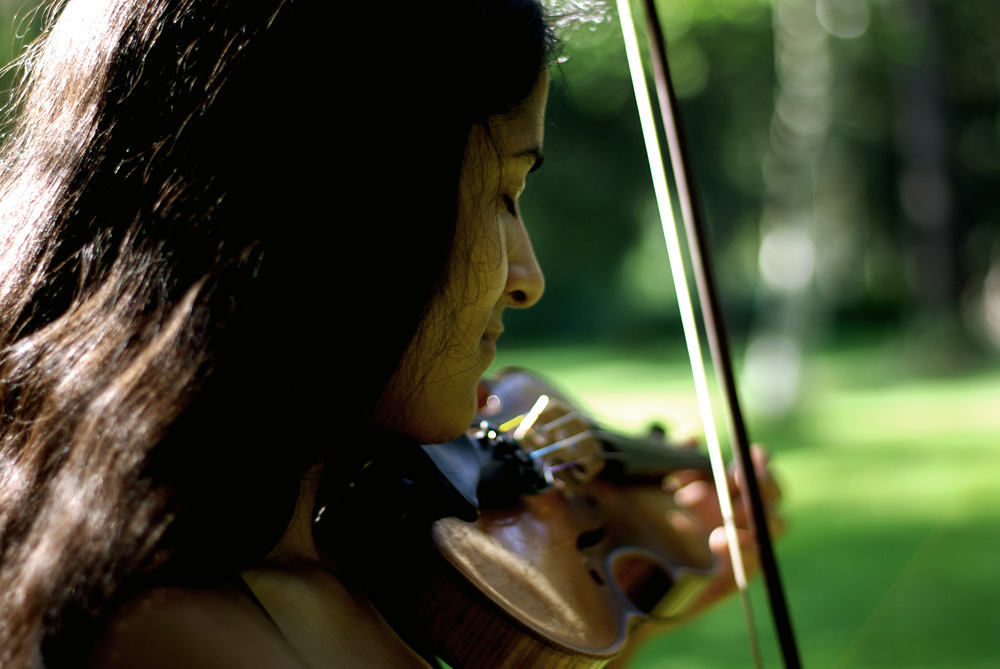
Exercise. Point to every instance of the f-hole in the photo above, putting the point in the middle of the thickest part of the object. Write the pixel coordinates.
(590, 538)
(641, 580)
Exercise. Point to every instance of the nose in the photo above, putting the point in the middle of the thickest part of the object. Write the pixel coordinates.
(525, 281)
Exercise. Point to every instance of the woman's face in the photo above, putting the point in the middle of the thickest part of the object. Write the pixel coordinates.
(432, 396)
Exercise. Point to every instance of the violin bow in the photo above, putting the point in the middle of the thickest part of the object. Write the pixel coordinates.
(712, 319)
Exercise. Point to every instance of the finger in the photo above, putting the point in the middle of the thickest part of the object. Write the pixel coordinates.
(699, 499)
(719, 544)
(770, 492)
(776, 525)
(769, 489)
(677, 480)
(722, 584)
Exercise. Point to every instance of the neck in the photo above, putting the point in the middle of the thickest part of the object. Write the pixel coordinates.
(296, 546)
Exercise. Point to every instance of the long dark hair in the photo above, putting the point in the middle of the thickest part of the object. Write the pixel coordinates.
(180, 292)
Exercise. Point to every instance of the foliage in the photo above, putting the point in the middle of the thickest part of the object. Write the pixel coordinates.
(590, 210)
(905, 82)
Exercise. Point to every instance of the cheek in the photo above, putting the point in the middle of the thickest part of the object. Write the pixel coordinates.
(436, 391)
(486, 272)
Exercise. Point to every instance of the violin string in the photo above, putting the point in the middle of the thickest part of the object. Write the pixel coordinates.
(570, 463)
(561, 444)
(557, 423)
(530, 417)
(894, 591)
(572, 414)
(689, 325)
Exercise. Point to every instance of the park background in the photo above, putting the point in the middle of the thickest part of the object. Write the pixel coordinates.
(847, 153)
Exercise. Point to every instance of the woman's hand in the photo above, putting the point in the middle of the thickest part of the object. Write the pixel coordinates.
(695, 493)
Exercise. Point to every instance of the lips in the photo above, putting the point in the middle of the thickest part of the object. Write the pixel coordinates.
(491, 346)
(482, 394)
(490, 340)
(492, 334)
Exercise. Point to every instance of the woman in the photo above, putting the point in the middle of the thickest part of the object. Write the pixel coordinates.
(171, 260)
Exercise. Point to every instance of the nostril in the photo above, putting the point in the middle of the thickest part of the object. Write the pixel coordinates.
(524, 285)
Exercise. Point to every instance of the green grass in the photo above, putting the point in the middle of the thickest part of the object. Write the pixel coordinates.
(892, 493)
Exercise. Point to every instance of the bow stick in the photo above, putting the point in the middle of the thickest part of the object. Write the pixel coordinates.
(713, 322)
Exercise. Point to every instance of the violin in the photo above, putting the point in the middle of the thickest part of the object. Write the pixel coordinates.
(537, 539)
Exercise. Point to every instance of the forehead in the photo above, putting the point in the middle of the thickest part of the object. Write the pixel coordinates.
(508, 145)
(521, 132)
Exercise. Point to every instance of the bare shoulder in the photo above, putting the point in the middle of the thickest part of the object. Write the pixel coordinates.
(327, 622)
(177, 627)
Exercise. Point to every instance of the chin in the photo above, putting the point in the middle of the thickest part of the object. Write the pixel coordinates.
(441, 415)
(444, 425)
(448, 430)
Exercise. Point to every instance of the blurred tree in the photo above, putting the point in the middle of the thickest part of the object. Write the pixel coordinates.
(591, 209)
(925, 143)
(847, 153)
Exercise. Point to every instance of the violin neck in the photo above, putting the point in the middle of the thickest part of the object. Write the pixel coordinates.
(646, 458)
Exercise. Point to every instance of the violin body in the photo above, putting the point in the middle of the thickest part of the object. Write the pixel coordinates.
(554, 579)
(560, 581)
